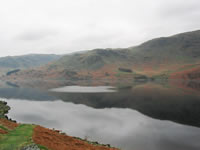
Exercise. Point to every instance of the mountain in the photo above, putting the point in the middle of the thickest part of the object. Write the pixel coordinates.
(27, 61)
(158, 58)
(93, 60)
(180, 47)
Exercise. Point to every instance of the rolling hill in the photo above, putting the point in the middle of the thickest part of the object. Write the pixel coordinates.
(157, 58)
(27, 61)
(181, 48)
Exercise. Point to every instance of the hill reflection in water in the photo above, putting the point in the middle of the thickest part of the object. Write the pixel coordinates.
(131, 117)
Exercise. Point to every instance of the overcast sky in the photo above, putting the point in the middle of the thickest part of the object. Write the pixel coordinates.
(64, 26)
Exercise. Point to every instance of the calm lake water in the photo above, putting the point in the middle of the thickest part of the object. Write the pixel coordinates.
(134, 116)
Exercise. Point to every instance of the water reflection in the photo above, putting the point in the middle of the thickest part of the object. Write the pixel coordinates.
(124, 128)
(122, 116)
(176, 101)
(154, 100)
(84, 89)
(25, 94)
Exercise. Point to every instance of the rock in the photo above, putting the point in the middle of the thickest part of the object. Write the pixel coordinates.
(30, 147)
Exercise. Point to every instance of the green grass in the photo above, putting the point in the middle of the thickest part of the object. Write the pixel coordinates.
(42, 147)
(17, 138)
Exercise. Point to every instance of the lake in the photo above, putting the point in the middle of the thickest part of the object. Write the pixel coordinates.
(130, 116)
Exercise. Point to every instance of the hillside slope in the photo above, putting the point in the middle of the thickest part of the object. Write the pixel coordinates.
(16, 136)
(27, 61)
(155, 58)
(181, 48)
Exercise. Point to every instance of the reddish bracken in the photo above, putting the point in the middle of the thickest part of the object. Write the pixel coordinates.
(188, 74)
(56, 141)
(3, 131)
(7, 123)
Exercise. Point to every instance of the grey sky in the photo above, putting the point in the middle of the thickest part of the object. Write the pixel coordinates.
(64, 26)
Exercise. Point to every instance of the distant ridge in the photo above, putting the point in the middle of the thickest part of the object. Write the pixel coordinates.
(158, 58)
(27, 61)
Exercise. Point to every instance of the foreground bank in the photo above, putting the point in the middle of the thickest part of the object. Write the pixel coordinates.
(16, 136)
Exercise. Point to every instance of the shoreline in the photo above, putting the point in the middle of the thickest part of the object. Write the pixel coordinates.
(19, 136)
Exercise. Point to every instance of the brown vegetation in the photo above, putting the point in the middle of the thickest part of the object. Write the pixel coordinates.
(9, 124)
(3, 131)
(57, 141)
(187, 74)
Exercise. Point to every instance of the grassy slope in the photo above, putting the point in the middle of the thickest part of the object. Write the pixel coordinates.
(92, 60)
(154, 57)
(181, 48)
(16, 138)
(26, 135)
(158, 57)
